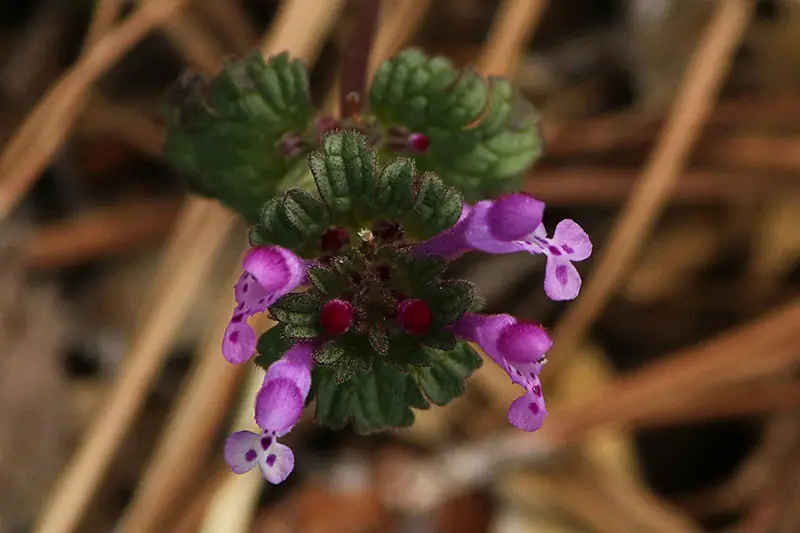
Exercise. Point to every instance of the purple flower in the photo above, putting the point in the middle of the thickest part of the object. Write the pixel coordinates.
(513, 223)
(269, 273)
(279, 405)
(519, 348)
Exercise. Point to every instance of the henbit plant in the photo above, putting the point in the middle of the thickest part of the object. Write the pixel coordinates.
(353, 223)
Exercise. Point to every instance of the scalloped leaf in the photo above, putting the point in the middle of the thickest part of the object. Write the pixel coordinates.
(225, 134)
(445, 378)
(483, 134)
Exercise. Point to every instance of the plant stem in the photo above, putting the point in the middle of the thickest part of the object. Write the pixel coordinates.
(356, 54)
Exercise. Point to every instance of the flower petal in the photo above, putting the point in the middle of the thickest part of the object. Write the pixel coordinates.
(524, 343)
(239, 341)
(295, 366)
(573, 240)
(276, 269)
(527, 412)
(248, 292)
(451, 242)
(513, 216)
(526, 375)
(561, 279)
(479, 236)
(279, 405)
(488, 335)
(242, 450)
(276, 463)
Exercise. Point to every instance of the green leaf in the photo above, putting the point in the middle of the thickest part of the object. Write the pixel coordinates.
(272, 344)
(328, 354)
(483, 134)
(297, 309)
(445, 379)
(372, 401)
(406, 352)
(440, 338)
(344, 173)
(296, 221)
(437, 207)
(225, 134)
(395, 190)
(450, 299)
(328, 282)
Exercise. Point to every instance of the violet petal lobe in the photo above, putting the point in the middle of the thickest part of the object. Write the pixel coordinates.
(250, 295)
(524, 343)
(561, 279)
(239, 341)
(276, 463)
(513, 216)
(295, 366)
(527, 412)
(572, 240)
(276, 269)
(242, 451)
(279, 405)
(479, 236)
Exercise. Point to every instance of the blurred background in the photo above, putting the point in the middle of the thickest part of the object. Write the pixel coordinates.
(673, 137)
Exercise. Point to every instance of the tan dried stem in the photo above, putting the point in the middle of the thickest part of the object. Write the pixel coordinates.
(692, 105)
(513, 27)
(394, 30)
(231, 19)
(198, 238)
(127, 123)
(100, 232)
(193, 425)
(105, 16)
(751, 351)
(198, 47)
(45, 128)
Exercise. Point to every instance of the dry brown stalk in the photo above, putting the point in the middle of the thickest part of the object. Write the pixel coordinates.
(46, 127)
(766, 512)
(691, 107)
(192, 517)
(722, 361)
(575, 185)
(394, 30)
(199, 236)
(108, 118)
(104, 17)
(231, 19)
(731, 402)
(193, 425)
(198, 47)
(106, 230)
(659, 386)
(514, 25)
(630, 129)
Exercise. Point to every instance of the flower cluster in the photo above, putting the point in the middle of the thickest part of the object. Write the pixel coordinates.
(366, 322)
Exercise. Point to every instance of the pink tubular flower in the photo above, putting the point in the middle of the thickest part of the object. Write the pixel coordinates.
(279, 405)
(513, 223)
(519, 348)
(269, 273)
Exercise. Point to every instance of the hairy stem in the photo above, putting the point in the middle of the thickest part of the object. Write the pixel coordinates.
(357, 52)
